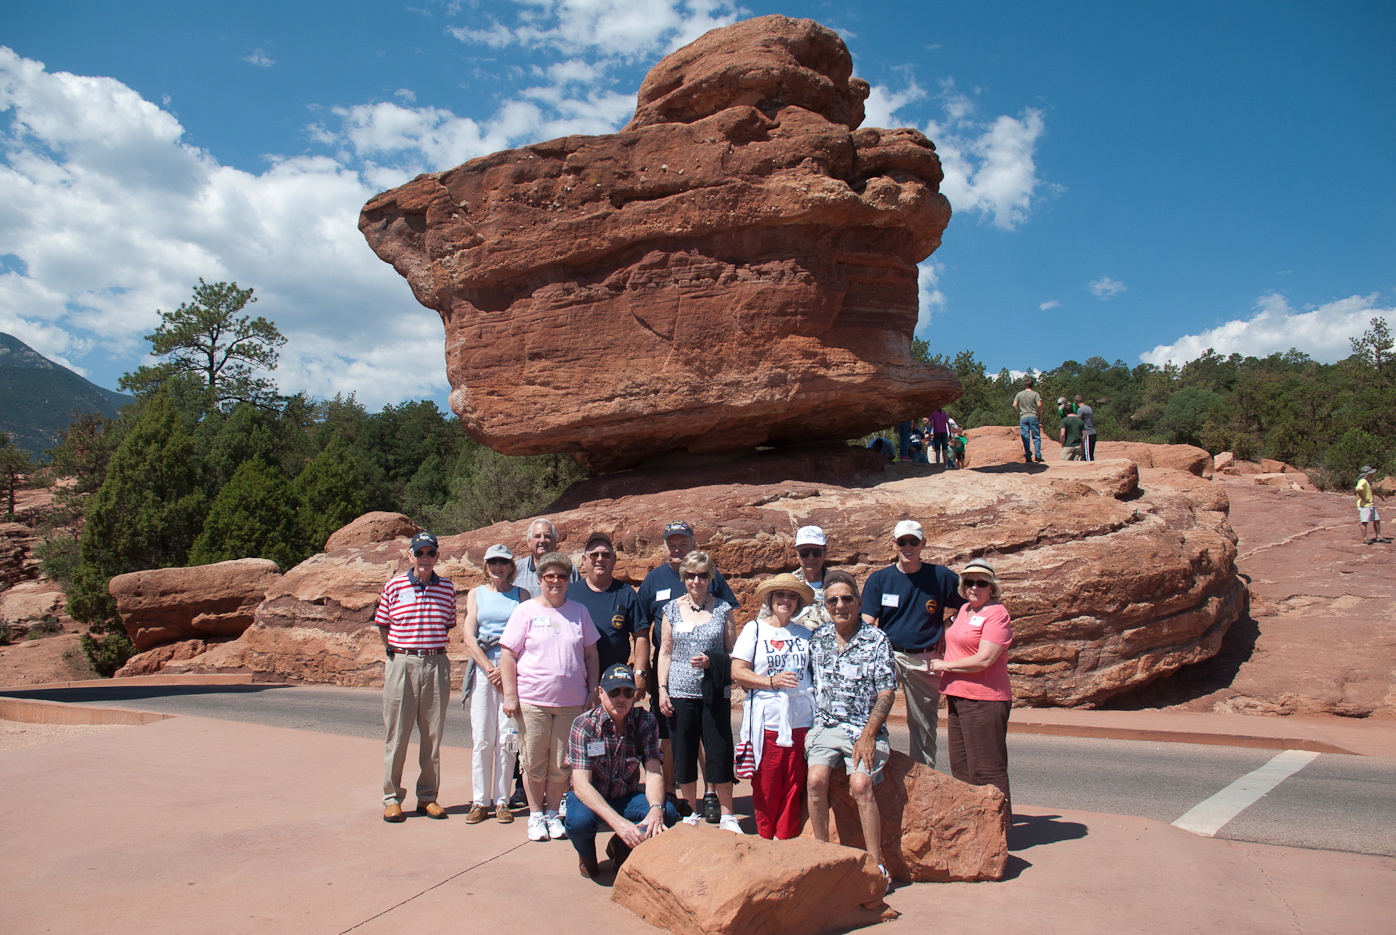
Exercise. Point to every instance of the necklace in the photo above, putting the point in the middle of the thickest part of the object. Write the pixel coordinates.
(698, 607)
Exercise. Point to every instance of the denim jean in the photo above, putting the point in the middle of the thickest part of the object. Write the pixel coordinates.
(1031, 425)
(582, 823)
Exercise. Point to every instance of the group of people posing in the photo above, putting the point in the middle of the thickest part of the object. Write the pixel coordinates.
(561, 661)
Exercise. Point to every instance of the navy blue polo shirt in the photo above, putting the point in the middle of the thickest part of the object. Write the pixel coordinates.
(910, 609)
(617, 615)
(662, 585)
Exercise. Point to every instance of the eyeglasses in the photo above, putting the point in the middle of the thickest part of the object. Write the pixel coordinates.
(908, 540)
(554, 576)
(431, 553)
(977, 583)
(810, 553)
(622, 693)
(497, 561)
(784, 596)
(839, 600)
(698, 575)
(601, 556)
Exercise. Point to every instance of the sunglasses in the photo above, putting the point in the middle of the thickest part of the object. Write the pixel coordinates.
(784, 596)
(810, 553)
(601, 556)
(908, 540)
(838, 600)
(698, 575)
(497, 561)
(429, 552)
(978, 583)
(622, 693)
(554, 576)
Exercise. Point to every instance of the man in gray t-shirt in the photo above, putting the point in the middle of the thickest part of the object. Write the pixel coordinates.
(1087, 415)
(1028, 406)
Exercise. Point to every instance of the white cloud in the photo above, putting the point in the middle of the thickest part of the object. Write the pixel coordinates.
(990, 166)
(1321, 332)
(1049, 305)
(259, 58)
(406, 95)
(929, 298)
(882, 105)
(617, 29)
(1105, 287)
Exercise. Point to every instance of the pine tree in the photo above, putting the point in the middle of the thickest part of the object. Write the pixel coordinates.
(254, 516)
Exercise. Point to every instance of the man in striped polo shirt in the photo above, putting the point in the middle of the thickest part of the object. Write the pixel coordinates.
(415, 612)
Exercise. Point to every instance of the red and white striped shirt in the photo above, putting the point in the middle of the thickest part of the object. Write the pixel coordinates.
(417, 615)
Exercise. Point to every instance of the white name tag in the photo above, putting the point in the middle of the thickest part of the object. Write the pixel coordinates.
(596, 748)
(662, 595)
(976, 621)
(684, 627)
(891, 600)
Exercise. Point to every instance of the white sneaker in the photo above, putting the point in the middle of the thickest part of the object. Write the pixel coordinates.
(537, 828)
(694, 820)
(555, 829)
(730, 823)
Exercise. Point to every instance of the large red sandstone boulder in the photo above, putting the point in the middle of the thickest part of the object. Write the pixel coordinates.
(372, 527)
(934, 827)
(700, 881)
(1114, 575)
(154, 660)
(1188, 458)
(167, 605)
(742, 255)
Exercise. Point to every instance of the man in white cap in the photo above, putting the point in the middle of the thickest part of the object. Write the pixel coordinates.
(908, 600)
(1366, 506)
(811, 548)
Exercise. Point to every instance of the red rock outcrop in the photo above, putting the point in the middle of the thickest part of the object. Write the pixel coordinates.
(154, 660)
(934, 827)
(1114, 575)
(167, 605)
(989, 445)
(695, 881)
(736, 267)
(372, 527)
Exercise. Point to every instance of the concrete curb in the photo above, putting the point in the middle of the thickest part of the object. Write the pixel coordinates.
(30, 711)
(235, 679)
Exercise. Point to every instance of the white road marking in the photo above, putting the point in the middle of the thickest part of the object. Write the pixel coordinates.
(1210, 815)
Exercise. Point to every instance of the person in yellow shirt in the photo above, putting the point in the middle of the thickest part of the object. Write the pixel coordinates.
(1366, 508)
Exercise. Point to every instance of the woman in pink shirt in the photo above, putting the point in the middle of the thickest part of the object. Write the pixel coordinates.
(974, 680)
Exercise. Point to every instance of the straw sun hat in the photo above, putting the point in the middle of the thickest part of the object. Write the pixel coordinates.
(785, 582)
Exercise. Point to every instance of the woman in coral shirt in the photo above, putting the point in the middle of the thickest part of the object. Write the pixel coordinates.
(974, 680)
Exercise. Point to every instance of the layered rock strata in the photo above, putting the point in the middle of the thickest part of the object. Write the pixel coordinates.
(1114, 575)
(202, 602)
(735, 268)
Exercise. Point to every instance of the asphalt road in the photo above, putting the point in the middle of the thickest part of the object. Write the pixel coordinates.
(1334, 802)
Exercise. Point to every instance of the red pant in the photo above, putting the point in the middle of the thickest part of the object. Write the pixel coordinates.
(778, 788)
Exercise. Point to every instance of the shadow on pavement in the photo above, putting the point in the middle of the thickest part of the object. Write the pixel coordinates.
(1015, 467)
(1032, 830)
(119, 693)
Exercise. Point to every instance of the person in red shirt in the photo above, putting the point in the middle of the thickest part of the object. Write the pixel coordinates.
(974, 681)
(416, 611)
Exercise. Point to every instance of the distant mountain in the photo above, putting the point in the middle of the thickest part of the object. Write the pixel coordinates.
(38, 398)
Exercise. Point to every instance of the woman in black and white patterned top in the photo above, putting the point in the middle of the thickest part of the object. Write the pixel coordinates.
(699, 630)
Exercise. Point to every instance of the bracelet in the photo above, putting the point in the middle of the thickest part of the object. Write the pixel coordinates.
(660, 807)
(771, 679)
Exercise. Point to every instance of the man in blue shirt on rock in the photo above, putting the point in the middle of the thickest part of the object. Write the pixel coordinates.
(907, 601)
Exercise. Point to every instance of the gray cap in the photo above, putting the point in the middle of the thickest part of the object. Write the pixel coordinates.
(498, 551)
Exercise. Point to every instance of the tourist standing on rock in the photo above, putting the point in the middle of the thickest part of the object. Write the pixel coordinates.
(1366, 506)
(855, 683)
(614, 609)
(695, 689)
(939, 424)
(908, 600)
(958, 444)
(1028, 407)
(661, 586)
(494, 740)
(1087, 415)
(613, 751)
(549, 668)
(416, 612)
(1072, 433)
(542, 539)
(811, 546)
(771, 661)
(974, 681)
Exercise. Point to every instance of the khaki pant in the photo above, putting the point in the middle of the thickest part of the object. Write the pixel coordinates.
(416, 690)
(921, 688)
(543, 736)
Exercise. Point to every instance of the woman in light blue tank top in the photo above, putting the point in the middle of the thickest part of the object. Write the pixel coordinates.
(495, 740)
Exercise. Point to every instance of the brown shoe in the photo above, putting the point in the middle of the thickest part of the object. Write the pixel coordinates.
(393, 813)
(431, 810)
(587, 867)
(477, 814)
(502, 814)
(618, 851)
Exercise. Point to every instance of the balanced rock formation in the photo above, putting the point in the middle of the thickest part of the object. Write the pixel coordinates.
(1115, 575)
(934, 828)
(202, 602)
(736, 267)
(695, 881)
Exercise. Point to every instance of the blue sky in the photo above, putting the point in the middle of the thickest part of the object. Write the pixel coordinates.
(1135, 181)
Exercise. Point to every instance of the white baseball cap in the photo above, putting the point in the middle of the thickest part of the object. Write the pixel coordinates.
(810, 535)
(909, 527)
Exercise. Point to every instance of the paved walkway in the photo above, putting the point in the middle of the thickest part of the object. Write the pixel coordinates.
(185, 825)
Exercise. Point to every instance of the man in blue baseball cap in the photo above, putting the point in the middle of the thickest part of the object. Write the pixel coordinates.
(607, 786)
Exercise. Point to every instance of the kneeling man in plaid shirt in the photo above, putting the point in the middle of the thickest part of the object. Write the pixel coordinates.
(617, 774)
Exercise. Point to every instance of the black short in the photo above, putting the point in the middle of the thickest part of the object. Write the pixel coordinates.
(713, 724)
